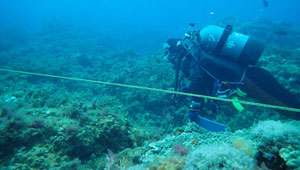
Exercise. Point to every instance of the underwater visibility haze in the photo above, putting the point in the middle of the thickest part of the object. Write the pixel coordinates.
(149, 85)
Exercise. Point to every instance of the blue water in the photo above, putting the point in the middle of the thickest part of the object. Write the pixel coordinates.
(49, 122)
(134, 20)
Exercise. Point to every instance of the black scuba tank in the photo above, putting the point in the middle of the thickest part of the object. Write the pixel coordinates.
(225, 43)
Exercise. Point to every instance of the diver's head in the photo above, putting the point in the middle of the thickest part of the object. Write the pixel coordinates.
(173, 49)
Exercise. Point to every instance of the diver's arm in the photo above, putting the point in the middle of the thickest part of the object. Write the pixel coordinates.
(197, 83)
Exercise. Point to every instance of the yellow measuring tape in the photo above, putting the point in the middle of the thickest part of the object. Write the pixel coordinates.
(154, 89)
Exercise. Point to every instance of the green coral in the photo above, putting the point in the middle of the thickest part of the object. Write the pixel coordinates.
(291, 156)
(274, 139)
(40, 157)
(108, 131)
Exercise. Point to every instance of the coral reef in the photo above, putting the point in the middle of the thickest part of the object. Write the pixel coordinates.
(291, 155)
(269, 144)
(48, 123)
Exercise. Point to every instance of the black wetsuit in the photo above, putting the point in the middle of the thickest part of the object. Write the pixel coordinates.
(201, 82)
(258, 83)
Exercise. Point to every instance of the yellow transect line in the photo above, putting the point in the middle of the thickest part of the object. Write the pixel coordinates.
(154, 89)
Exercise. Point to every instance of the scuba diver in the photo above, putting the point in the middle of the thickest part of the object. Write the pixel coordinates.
(220, 62)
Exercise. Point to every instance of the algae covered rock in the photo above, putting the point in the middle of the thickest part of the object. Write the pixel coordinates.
(40, 157)
(275, 131)
(268, 144)
(173, 151)
(95, 137)
(277, 142)
(219, 157)
(36, 157)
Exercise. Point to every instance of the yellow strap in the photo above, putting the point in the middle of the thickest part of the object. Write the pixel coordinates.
(240, 92)
(237, 104)
(154, 89)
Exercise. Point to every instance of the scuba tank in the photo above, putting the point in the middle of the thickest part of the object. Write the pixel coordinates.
(227, 54)
(227, 57)
(225, 43)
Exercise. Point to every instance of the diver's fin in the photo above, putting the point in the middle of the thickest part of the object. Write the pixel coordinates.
(261, 85)
(211, 125)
